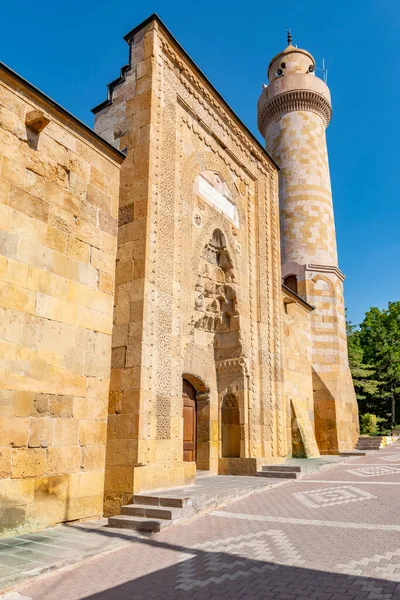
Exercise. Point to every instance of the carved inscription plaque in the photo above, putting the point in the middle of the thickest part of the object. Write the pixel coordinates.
(218, 200)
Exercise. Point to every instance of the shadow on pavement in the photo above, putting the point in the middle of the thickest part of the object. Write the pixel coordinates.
(199, 575)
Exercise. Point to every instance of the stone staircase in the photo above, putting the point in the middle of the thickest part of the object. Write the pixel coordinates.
(163, 508)
(152, 513)
(369, 443)
(280, 471)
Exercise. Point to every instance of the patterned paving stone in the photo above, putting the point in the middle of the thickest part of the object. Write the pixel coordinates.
(374, 471)
(391, 457)
(332, 496)
(265, 547)
(306, 539)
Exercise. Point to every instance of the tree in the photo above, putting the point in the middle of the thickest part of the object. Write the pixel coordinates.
(365, 384)
(379, 339)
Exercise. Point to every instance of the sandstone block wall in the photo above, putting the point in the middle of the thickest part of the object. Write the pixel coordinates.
(197, 292)
(58, 208)
(297, 376)
(127, 123)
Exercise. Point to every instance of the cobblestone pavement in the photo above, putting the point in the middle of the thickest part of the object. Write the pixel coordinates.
(332, 536)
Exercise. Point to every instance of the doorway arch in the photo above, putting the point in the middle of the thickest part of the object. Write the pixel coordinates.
(230, 427)
(189, 414)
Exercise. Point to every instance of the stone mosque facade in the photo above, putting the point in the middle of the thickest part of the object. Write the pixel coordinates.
(171, 300)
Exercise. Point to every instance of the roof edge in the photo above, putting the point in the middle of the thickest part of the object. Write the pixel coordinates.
(298, 299)
(128, 37)
(88, 130)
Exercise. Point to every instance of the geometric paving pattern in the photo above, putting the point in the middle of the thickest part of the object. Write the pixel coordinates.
(374, 471)
(209, 562)
(390, 457)
(332, 496)
(312, 539)
(379, 565)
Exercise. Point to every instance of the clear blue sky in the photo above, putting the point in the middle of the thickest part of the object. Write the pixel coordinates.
(71, 50)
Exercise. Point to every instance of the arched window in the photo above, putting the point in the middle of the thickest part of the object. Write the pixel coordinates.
(291, 282)
(230, 425)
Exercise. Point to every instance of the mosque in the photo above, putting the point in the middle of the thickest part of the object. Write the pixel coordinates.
(171, 300)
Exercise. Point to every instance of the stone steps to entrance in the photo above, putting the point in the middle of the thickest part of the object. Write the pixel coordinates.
(175, 502)
(282, 468)
(280, 471)
(138, 523)
(278, 474)
(152, 512)
(369, 443)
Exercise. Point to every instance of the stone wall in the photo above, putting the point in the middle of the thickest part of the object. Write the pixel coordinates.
(297, 375)
(59, 187)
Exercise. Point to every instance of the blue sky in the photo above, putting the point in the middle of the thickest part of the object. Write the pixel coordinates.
(71, 50)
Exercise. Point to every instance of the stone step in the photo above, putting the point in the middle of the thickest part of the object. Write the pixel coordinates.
(278, 474)
(138, 523)
(151, 512)
(173, 501)
(363, 446)
(367, 446)
(352, 453)
(282, 468)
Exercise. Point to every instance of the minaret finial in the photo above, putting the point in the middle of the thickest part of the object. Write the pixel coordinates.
(289, 37)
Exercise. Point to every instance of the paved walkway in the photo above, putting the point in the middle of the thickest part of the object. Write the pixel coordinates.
(31, 554)
(334, 535)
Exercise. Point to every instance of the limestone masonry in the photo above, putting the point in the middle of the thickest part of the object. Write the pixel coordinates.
(169, 302)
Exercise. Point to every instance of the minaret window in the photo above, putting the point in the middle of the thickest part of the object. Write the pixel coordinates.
(291, 282)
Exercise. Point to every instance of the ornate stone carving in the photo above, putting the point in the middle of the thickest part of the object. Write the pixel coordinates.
(242, 170)
(197, 220)
(218, 301)
(165, 263)
(291, 101)
(213, 107)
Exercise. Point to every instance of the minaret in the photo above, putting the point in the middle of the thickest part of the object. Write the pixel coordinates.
(293, 113)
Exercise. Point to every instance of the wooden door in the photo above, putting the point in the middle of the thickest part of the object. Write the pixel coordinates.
(189, 421)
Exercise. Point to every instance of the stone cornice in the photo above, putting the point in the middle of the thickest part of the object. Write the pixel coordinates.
(326, 269)
(195, 81)
(192, 76)
(294, 100)
(26, 89)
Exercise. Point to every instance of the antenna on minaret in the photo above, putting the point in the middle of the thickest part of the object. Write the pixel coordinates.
(289, 37)
(325, 71)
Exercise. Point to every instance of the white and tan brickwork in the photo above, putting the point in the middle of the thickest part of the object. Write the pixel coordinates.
(293, 113)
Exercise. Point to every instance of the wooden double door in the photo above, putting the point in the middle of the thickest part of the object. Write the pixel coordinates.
(189, 422)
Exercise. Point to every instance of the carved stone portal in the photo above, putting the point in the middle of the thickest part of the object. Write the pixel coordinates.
(216, 303)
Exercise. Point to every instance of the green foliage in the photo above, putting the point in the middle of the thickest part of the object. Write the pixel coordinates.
(363, 374)
(372, 425)
(368, 423)
(374, 358)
